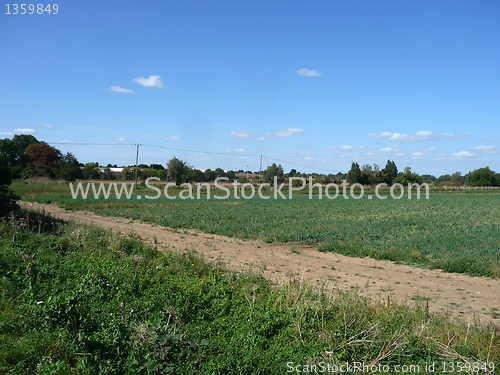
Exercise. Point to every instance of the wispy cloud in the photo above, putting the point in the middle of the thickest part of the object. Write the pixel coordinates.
(422, 135)
(120, 89)
(261, 138)
(241, 134)
(383, 135)
(6, 133)
(119, 139)
(25, 131)
(487, 149)
(308, 158)
(464, 154)
(345, 147)
(171, 138)
(417, 154)
(152, 81)
(48, 126)
(309, 73)
(285, 133)
(239, 150)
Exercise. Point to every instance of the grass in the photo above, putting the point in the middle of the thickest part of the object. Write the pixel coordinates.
(453, 231)
(78, 299)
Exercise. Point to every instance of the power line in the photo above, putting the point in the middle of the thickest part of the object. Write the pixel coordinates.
(298, 165)
(187, 150)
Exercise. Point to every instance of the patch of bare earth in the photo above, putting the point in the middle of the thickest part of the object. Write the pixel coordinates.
(457, 294)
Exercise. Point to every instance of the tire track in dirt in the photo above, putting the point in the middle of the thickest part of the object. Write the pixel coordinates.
(457, 294)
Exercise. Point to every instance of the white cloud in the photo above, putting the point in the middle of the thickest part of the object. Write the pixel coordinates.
(171, 138)
(421, 135)
(418, 154)
(152, 81)
(309, 73)
(308, 158)
(383, 135)
(120, 89)
(345, 147)
(6, 133)
(239, 150)
(25, 131)
(261, 138)
(453, 137)
(241, 134)
(48, 126)
(120, 139)
(464, 154)
(487, 149)
(67, 141)
(285, 133)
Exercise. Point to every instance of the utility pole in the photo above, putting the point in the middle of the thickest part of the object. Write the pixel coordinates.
(136, 162)
(260, 169)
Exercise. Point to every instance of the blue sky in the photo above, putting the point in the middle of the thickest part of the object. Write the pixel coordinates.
(313, 84)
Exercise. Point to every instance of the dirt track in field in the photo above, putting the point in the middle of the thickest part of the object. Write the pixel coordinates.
(457, 294)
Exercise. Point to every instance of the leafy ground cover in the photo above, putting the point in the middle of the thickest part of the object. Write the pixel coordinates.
(78, 299)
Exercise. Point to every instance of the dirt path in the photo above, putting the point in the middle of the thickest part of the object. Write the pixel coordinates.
(457, 294)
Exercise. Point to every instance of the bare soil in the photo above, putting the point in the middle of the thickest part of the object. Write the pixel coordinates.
(471, 298)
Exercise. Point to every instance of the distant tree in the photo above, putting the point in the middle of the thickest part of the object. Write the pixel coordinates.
(408, 177)
(457, 179)
(69, 168)
(429, 178)
(231, 175)
(483, 177)
(209, 175)
(367, 175)
(194, 175)
(176, 170)
(444, 178)
(354, 174)
(7, 197)
(158, 167)
(273, 170)
(292, 172)
(91, 171)
(389, 173)
(219, 172)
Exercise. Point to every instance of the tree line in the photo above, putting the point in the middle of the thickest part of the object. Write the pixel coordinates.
(24, 156)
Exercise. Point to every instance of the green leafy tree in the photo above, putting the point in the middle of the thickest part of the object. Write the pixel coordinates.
(14, 152)
(69, 168)
(7, 197)
(483, 177)
(194, 175)
(158, 167)
(274, 170)
(91, 171)
(354, 174)
(389, 173)
(457, 179)
(408, 178)
(177, 170)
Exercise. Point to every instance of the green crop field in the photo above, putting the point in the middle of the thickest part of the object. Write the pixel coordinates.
(456, 232)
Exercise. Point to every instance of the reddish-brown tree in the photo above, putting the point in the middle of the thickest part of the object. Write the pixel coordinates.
(44, 155)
